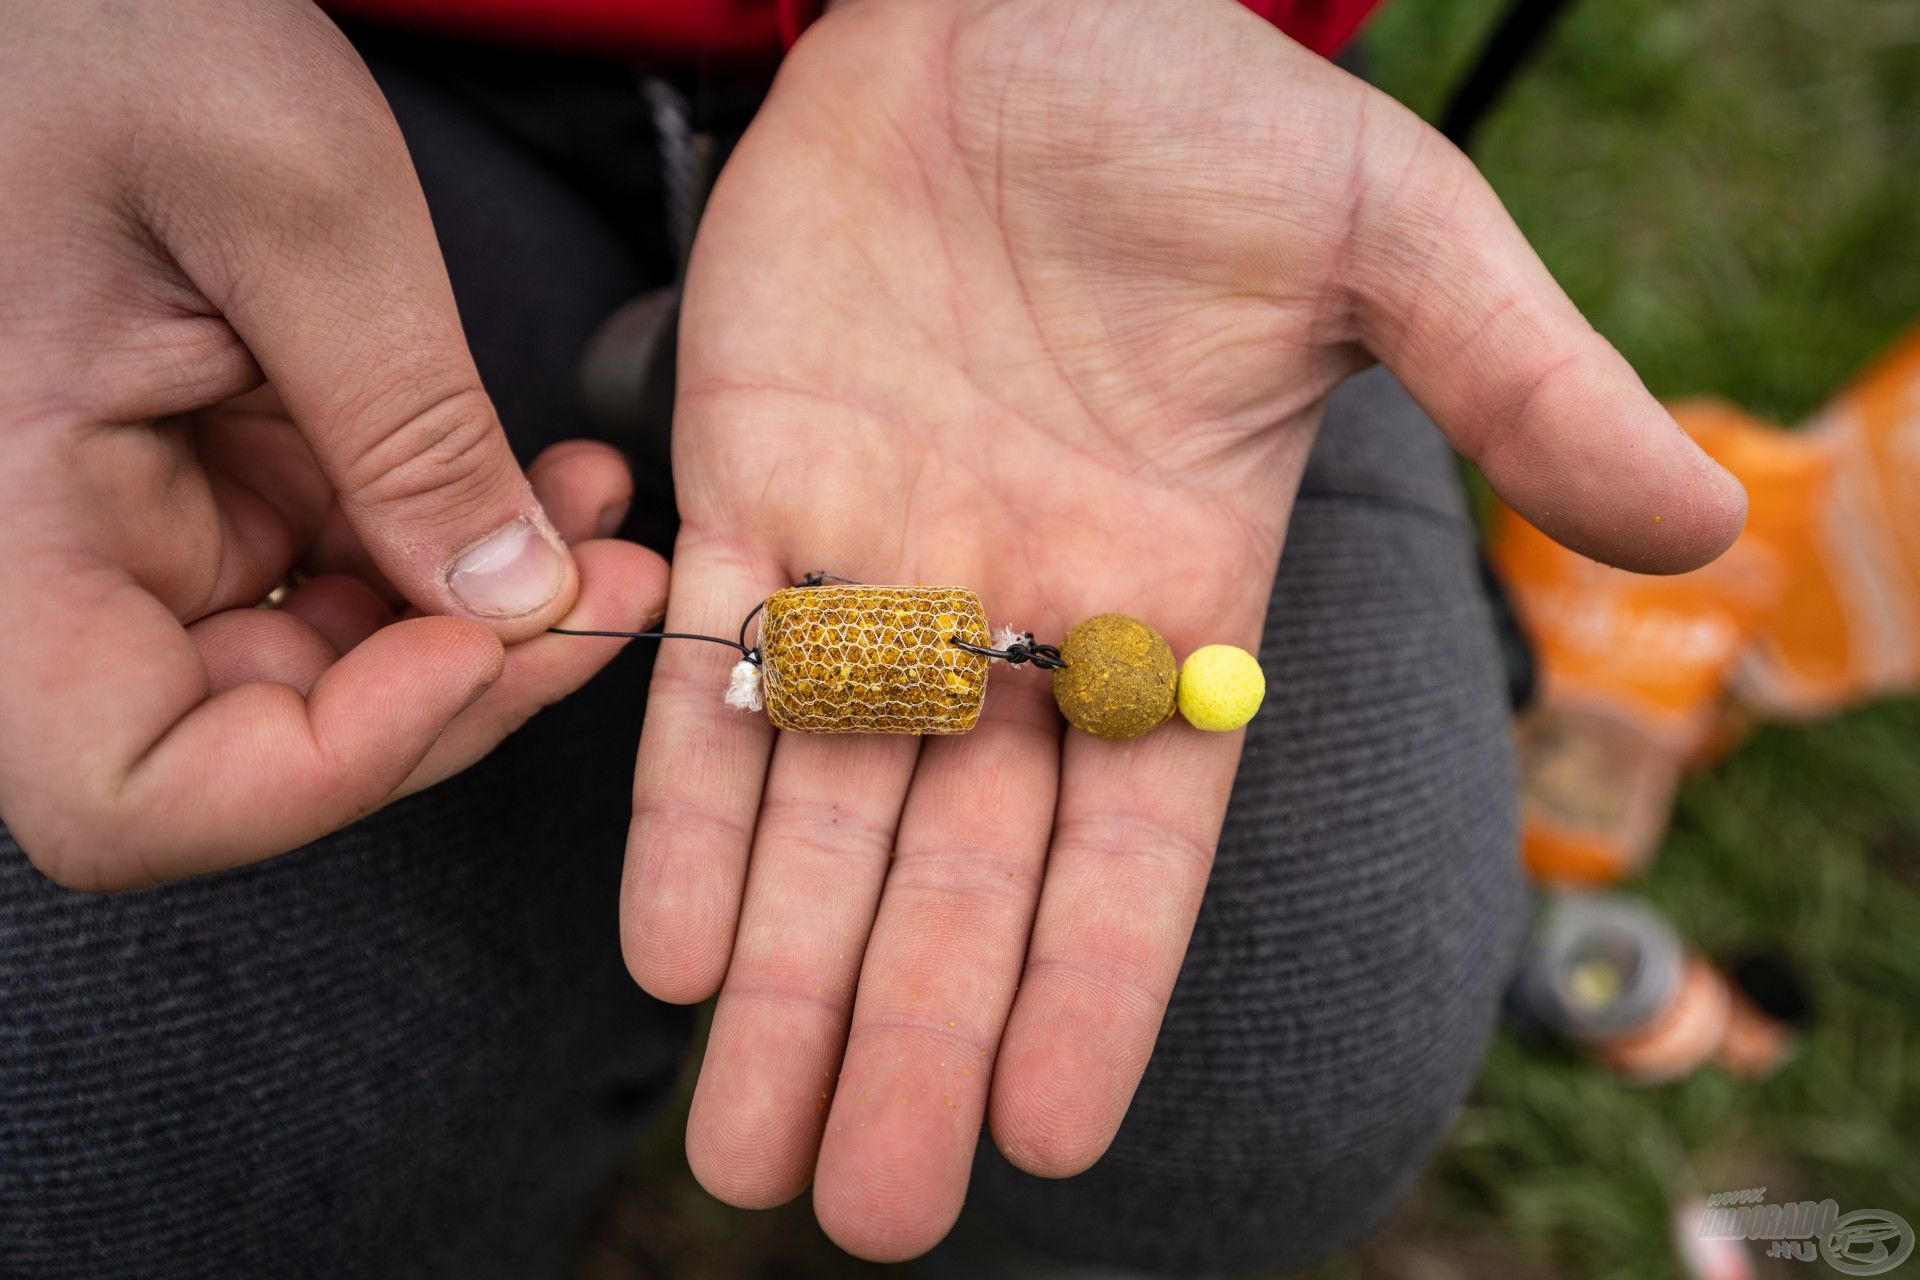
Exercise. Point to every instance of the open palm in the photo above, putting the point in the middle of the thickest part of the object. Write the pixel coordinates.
(1043, 300)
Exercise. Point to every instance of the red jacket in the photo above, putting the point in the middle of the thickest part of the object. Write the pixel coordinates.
(733, 28)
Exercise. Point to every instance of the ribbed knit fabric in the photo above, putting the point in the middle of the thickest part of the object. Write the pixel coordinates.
(411, 1049)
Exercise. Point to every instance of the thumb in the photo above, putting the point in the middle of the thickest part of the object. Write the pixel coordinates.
(1453, 299)
(325, 263)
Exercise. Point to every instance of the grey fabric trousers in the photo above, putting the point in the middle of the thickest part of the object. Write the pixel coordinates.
(411, 1049)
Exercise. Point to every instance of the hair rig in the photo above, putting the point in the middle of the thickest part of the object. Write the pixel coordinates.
(838, 656)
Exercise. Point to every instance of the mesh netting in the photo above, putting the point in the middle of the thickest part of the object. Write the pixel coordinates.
(873, 659)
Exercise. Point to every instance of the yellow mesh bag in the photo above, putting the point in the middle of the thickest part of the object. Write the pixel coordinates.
(860, 659)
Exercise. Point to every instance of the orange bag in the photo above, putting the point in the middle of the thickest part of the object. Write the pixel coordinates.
(1848, 624)
(1633, 668)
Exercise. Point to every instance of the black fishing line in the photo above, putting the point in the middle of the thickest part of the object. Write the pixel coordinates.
(1022, 650)
(751, 655)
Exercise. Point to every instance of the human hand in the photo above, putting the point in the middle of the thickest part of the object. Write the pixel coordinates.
(201, 198)
(1042, 300)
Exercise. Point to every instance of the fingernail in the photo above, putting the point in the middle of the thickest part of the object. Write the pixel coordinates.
(512, 572)
(611, 518)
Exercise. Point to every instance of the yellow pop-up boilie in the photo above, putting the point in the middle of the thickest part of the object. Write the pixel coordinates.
(856, 659)
(1221, 687)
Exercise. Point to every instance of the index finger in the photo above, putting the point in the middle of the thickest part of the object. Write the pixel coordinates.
(698, 779)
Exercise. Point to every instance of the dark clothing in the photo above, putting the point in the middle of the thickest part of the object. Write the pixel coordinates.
(411, 1049)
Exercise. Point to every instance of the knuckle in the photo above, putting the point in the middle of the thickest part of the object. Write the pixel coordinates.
(303, 139)
(1501, 420)
(1149, 845)
(672, 833)
(1121, 972)
(823, 830)
(441, 461)
(907, 1032)
(771, 988)
(324, 99)
(964, 891)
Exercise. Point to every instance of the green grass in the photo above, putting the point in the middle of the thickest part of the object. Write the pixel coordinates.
(1808, 839)
(1730, 189)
